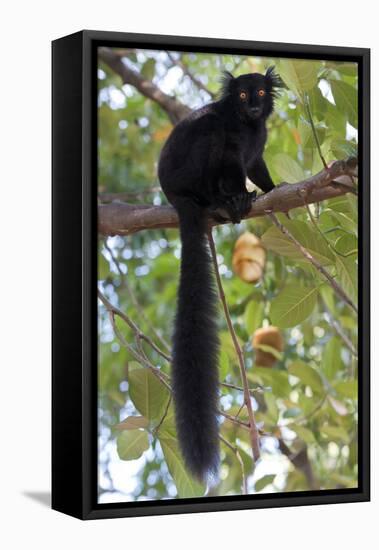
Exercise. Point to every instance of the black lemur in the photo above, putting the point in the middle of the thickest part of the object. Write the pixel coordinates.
(203, 167)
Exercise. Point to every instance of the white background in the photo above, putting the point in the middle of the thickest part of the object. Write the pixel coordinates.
(26, 31)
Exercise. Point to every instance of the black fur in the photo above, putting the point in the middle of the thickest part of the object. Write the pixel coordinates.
(203, 166)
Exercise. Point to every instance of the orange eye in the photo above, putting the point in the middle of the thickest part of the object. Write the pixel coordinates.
(261, 93)
(243, 95)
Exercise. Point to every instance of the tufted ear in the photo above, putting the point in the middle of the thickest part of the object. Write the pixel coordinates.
(227, 83)
(273, 79)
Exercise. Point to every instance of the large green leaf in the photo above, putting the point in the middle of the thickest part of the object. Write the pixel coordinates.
(306, 133)
(276, 241)
(148, 394)
(307, 236)
(133, 423)
(293, 305)
(331, 358)
(287, 168)
(342, 148)
(347, 244)
(346, 99)
(307, 375)
(299, 75)
(253, 316)
(131, 444)
(346, 204)
(186, 485)
(347, 272)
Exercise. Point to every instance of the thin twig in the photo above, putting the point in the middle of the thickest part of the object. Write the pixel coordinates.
(254, 435)
(156, 429)
(235, 420)
(314, 130)
(186, 71)
(136, 304)
(259, 389)
(341, 293)
(136, 330)
(337, 327)
(140, 357)
(239, 458)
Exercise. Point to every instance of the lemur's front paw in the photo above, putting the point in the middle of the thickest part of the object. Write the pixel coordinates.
(239, 205)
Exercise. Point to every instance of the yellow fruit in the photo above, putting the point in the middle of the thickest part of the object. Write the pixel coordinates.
(249, 258)
(267, 336)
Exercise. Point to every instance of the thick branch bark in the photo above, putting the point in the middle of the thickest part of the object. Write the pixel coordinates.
(174, 108)
(123, 219)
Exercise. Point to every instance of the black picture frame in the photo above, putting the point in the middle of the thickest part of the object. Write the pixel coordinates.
(74, 270)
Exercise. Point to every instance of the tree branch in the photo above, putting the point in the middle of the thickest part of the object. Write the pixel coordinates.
(174, 108)
(124, 219)
(253, 430)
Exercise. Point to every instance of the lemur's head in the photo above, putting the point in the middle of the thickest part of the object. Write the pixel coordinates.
(252, 94)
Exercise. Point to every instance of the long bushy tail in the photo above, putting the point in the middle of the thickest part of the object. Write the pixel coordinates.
(195, 348)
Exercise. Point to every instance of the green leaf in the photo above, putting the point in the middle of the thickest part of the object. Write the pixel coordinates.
(223, 364)
(336, 119)
(307, 375)
(148, 394)
(103, 268)
(341, 148)
(131, 444)
(253, 316)
(307, 236)
(133, 423)
(167, 430)
(148, 68)
(300, 76)
(346, 99)
(293, 305)
(347, 245)
(327, 294)
(272, 408)
(318, 103)
(347, 272)
(344, 221)
(186, 485)
(331, 358)
(345, 204)
(293, 412)
(276, 241)
(276, 379)
(260, 484)
(287, 168)
(347, 388)
(269, 349)
(335, 433)
(306, 133)
(304, 433)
